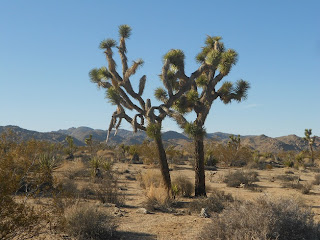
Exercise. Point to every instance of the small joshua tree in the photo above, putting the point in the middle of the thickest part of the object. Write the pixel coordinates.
(234, 142)
(216, 62)
(71, 147)
(88, 141)
(310, 140)
(121, 93)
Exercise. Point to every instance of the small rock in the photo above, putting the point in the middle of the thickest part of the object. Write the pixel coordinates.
(204, 213)
(143, 211)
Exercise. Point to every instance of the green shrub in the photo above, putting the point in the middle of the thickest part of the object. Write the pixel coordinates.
(266, 219)
(183, 186)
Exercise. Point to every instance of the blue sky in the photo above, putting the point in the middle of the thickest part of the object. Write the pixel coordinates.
(47, 49)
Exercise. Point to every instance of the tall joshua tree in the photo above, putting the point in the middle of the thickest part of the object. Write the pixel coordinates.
(310, 140)
(217, 63)
(121, 93)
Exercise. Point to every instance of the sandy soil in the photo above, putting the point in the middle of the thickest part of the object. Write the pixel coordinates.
(159, 225)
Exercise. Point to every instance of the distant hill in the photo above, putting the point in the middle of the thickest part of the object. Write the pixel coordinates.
(261, 143)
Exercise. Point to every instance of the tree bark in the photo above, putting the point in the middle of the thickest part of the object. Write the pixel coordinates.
(200, 184)
(163, 163)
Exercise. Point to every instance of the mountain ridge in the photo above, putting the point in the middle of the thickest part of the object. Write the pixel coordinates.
(261, 142)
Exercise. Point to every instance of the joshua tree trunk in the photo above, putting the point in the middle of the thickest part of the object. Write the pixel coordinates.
(163, 163)
(311, 151)
(200, 186)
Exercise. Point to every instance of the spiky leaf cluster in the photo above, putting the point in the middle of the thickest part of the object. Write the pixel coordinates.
(161, 94)
(153, 130)
(176, 57)
(229, 92)
(113, 96)
(228, 59)
(192, 97)
(108, 43)
(185, 104)
(213, 58)
(194, 131)
(125, 31)
(202, 81)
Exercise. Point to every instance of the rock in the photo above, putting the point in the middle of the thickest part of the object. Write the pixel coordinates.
(143, 211)
(204, 213)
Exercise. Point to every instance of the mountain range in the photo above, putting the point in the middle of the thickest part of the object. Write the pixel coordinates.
(261, 143)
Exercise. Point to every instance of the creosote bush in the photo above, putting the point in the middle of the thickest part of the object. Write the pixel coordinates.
(182, 187)
(87, 222)
(216, 202)
(235, 179)
(266, 219)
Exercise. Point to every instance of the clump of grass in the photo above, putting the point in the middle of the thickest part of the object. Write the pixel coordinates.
(87, 222)
(158, 199)
(181, 186)
(235, 179)
(150, 178)
(217, 201)
(266, 219)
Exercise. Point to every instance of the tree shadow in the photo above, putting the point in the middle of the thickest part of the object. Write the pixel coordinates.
(135, 236)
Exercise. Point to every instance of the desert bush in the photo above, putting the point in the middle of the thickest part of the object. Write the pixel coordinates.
(150, 178)
(87, 222)
(235, 179)
(266, 219)
(287, 178)
(158, 199)
(303, 188)
(183, 186)
(316, 180)
(217, 201)
(17, 160)
(229, 155)
(108, 192)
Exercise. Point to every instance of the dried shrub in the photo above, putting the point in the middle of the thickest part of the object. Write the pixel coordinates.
(217, 201)
(150, 178)
(235, 179)
(108, 192)
(183, 186)
(287, 178)
(158, 199)
(87, 222)
(266, 219)
(316, 180)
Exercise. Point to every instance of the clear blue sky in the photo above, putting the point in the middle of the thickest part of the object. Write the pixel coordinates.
(47, 49)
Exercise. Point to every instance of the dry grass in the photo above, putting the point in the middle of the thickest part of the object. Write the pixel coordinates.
(158, 199)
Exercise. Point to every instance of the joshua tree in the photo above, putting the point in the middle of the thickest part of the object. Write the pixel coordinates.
(120, 92)
(310, 140)
(216, 62)
(88, 141)
(234, 141)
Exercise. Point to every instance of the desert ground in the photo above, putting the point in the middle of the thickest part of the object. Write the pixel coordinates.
(179, 222)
